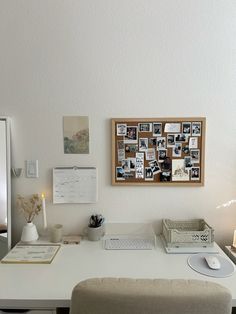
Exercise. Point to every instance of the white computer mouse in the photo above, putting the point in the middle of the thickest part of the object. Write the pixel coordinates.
(212, 261)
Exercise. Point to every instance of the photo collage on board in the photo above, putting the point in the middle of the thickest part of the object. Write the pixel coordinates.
(158, 151)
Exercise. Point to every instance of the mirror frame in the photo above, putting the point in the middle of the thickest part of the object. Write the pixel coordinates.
(8, 179)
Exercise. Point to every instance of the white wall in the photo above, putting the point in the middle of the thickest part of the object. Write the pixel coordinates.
(120, 58)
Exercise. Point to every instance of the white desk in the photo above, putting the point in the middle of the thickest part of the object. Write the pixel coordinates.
(49, 286)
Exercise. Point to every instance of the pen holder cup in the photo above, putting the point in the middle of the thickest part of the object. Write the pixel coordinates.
(95, 234)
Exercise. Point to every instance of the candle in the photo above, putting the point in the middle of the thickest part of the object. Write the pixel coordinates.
(234, 240)
(44, 211)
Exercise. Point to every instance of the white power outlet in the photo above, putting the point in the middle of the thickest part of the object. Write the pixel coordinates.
(32, 169)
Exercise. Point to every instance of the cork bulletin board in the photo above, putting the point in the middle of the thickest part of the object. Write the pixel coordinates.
(158, 151)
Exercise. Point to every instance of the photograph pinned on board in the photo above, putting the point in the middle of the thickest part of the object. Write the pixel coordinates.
(129, 175)
(193, 142)
(165, 176)
(150, 154)
(120, 173)
(172, 127)
(195, 154)
(148, 174)
(170, 140)
(120, 150)
(131, 136)
(145, 127)
(196, 128)
(162, 154)
(161, 142)
(186, 128)
(131, 148)
(76, 134)
(125, 163)
(143, 144)
(152, 141)
(120, 145)
(176, 151)
(155, 167)
(181, 138)
(121, 129)
(188, 162)
(185, 149)
(179, 172)
(132, 163)
(157, 129)
(139, 173)
(166, 164)
(195, 173)
(121, 154)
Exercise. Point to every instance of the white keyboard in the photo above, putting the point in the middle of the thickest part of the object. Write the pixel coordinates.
(128, 244)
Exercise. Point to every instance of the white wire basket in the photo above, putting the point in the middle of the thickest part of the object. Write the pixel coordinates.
(187, 233)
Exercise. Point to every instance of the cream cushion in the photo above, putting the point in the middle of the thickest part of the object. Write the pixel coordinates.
(149, 296)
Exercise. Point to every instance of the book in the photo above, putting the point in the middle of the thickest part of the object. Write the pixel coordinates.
(33, 254)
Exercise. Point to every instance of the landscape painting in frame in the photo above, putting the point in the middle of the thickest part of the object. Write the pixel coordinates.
(76, 135)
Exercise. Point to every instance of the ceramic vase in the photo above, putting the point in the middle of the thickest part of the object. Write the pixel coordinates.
(29, 233)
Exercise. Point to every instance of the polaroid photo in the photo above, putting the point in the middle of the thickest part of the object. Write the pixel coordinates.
(165, 176)
(121, 154)
(157, 129)
(121, 129)
(145, 127)
(120, 173)
(188, 162)
(170, 140)
(125, 163)
(162, 154)
(150, 154)
(195, 173)
(193, 142)
(148, 174)
(172, 128)
(132, 163)
(186, 128)
(179, 172)
(131, 148)
(155, 167)
(195, 155)
(161, 142)
(181, 138)
(177, 150)
(166, 165)
(143, 144)
(196, 128)
(185, 150)
(131, 136)
(152, 141)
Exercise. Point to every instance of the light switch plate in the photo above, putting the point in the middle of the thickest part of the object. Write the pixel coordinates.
(32, 170)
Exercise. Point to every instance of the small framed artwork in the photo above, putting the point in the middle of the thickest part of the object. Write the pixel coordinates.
(76, 134)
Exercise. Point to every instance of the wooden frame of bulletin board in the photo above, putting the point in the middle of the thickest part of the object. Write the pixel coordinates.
(158, 151)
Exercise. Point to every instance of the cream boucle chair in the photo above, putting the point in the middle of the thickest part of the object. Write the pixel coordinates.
(149, 296)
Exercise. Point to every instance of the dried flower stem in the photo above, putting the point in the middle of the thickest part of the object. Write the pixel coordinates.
(30, 207)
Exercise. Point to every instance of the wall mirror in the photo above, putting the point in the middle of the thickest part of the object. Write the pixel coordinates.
(5, 187)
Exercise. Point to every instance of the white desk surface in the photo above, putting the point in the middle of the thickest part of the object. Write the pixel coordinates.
(47, 286)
